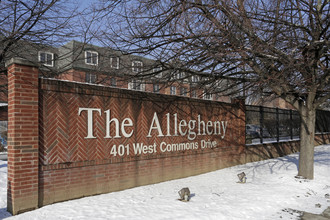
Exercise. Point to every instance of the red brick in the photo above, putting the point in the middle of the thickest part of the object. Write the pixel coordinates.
(23, 169)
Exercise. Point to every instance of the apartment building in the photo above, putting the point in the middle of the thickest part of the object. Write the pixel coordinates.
(87, 63)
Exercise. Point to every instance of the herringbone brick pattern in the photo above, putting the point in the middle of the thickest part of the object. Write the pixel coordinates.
(63, 139)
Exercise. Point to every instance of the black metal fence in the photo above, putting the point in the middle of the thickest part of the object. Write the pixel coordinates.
(265, 124)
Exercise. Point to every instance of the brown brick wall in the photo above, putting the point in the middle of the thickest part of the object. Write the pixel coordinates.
(73, 166)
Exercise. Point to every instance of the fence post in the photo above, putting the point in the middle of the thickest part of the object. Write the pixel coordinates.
(291, 125)
(277, 126)
(261, 124)
(23, 136)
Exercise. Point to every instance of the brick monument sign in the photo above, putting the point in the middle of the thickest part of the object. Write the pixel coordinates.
(69, 140)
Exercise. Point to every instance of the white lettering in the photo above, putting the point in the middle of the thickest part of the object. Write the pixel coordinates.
(155, 121)
(128, 124)
(217, 124)
(175, 124)
(201, 123)
(209, 125)
(140, 148)
(89, 120)
(107, 123)
(183, 124)
(191, 127)
(224, 127)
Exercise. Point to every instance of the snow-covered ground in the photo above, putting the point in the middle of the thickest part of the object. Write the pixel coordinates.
(271, 192)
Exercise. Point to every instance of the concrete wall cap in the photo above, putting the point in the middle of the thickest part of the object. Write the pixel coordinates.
(21, 61)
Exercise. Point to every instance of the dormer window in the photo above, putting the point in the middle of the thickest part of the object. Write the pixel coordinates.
(46, 58)
(114, 62)
(137, 66)
(91, 58)
(194, 79)
(157, 71)
(180, 75)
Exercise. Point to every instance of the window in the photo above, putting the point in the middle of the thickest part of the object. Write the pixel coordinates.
(156, 88)
(208, 96)
(136, 85)
(194, 94)
(114, 62)
(91, 57)
(46, 58)
(90, 78)
(137, 66)
(157, 70)
(183, 91)
(194, 78)
(113, 82)
(173, 90)
(180, 75)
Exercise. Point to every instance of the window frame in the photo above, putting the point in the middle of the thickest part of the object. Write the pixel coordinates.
(194, 79)
(180, 75)
(113, 82)
(92, 52)
(88, 78)
(193, 94)
(173, 90)
(183, 91)
(158, 71)
(156, 88)
(134, 62)
(111, 62)
(136, 84)
(45, 63)
(207, 96)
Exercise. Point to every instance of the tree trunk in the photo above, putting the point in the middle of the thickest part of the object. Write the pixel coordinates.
(307, 134)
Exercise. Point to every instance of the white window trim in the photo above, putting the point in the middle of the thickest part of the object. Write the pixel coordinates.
(91, 75)
(158, 88)
(180, 75)
(183, 91)
(134, 63)
(158, 70)
(112, 66)
(134, 81)
(193, 94)
(45, 64)
(207, 94)
(92, 52)
(172, 90)
(194, 79)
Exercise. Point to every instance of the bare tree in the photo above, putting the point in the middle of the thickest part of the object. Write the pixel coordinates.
(279, 47)
(27, 27)
(46, 22)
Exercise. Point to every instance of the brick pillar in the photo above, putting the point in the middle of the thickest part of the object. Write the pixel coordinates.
(23, 136)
